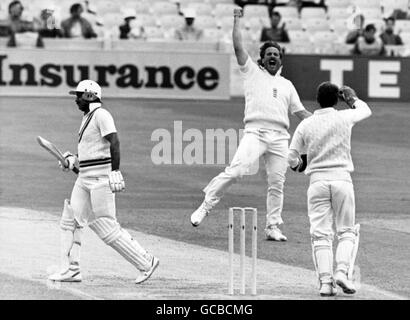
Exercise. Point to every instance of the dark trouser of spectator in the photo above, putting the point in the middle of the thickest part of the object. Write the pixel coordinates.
(302, 4)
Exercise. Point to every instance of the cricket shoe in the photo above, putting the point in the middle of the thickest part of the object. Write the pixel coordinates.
(200, 213)
(72, 274)
(327, 289)
(144, 276)
(274, 233)
(343, 282)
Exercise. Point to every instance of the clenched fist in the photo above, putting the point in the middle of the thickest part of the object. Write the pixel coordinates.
(348, 95)
(238, 13)
(71, 162)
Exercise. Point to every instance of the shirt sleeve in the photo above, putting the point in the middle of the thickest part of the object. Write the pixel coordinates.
(248, 68)
(295, 103)
(105, 122)
(360, 112)
(298, 143)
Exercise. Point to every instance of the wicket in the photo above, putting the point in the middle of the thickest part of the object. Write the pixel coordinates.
(242, 212)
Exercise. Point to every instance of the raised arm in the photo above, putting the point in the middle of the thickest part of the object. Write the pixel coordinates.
(360, 109)
(240, 52)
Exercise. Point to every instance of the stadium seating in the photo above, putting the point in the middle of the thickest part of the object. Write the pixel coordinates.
(372, 13)
(338, 13)
(171, 21)
(367, 4)
(293, 24)
(403, 25)
(154, 33)
(206, 22)
(338, 3)
(288, 12)
(211, 35)
(317, 13)
(255, 11)
(164, 7)
(224, 9)
(315, 25)
(201, 8)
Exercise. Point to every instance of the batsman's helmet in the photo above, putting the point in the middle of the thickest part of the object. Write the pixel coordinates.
(90, 90)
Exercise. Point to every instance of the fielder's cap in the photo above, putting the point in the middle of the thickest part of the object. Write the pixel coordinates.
(88, 86)
(189, 13)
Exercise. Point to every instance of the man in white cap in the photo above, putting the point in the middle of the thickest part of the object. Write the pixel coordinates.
(93, 196)
(189, 31)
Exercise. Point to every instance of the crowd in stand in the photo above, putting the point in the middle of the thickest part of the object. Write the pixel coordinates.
(364, 26)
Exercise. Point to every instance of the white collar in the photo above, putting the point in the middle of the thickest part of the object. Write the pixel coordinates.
(94, 106)
(324, 110)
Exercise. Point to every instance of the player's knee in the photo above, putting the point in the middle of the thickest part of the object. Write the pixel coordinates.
(67, 221)
(237, 171)
(322, 241)
(107, 229)
(346, 235)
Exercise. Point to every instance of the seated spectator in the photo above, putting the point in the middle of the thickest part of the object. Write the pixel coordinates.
(15, 20)
(76, 26)
(369, 44)
(189, 31)
(388, 37)
(353, 35)
(47, 26)
(275, 33)
(300, 4)
(131, 28)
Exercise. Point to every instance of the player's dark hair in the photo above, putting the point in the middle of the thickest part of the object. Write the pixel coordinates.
(265, 46)
(327, 94)
(13, 3)
(75, 7)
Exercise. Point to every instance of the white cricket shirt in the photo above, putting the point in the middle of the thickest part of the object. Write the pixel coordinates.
(268, 99)
(93, 149)
(326, 139)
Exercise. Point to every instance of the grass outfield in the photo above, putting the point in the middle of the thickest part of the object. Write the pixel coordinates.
(160, 199)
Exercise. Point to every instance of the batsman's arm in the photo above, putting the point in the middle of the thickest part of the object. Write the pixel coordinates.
(114, 150)
(240, 52)
(303, 114)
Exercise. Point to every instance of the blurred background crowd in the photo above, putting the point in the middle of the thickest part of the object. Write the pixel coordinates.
(360, 27)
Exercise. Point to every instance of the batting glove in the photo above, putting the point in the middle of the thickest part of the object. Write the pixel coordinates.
(116, 180)
(348, 95)
(71, 162)
(302, 164)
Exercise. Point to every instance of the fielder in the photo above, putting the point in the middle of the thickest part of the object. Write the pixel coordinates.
(269, 98)
(93, 196)
(326, 138)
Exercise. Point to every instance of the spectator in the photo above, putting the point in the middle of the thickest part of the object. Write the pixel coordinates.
(131, 28)
(369, 44)
(275, 33)
(47, 26)
(388, 37)
(189, 31)
(76, 26)
(353, 35)
(15, 20)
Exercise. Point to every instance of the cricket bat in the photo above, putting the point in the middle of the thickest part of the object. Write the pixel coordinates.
(50, 147)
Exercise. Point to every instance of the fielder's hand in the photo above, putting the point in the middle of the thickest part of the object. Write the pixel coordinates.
(302, 164)
(348, 95)
(116, 180)
(237, 13)
(71, 160)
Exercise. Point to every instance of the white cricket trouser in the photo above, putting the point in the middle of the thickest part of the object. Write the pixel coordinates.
(328, 201)
(273, 146)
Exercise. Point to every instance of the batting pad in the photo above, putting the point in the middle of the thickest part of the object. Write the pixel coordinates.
(67, 221)
(323, 259)
(344, 251)
(111, 233)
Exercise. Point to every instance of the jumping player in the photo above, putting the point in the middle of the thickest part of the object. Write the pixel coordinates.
(326, 137)
(93, 196)
(269, 99)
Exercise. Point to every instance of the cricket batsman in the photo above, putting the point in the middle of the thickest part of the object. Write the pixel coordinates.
(93, 196)
(326, 138)
(269, 99)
